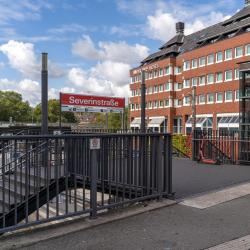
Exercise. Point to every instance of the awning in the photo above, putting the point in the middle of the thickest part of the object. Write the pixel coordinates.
(156, 122)
(136, 123)
(201, 122)
(229, 122)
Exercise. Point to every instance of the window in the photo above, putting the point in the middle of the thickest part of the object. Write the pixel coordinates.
(177, 102)
(186, 83)
(168, 86)
(150, 105)
(228, 54)
(210, 78)
(177, 86)
(150, 90)
(238, 52)
(219, 97)
(236, 74)
(160, 88)
(210, 98)
(202, 80)
(167, 103)
(155, 104)
(186, 101)
(155, 89)
(202, 99)
(219, 77)
(186, 65)
(161, 103)
(160, 72)
(167, 70)
(177, 70)
(248, 49)
(210, 59)
(219, 57)
(228, 75)
(202, 61)
(155, 73)
(194, 81)
(237, 95)
(194, 63)
(132, 106)
(228, 96)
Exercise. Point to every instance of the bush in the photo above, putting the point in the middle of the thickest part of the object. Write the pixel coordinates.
(183, 144)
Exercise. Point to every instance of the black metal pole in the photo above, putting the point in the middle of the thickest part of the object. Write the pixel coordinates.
(60, 113)
(44, 80)
(143, 102)
(193, 121)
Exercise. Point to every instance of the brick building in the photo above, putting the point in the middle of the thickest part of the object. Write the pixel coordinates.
(208, 59)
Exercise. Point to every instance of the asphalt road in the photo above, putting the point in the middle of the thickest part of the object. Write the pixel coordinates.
(176, 228)
(191, 178)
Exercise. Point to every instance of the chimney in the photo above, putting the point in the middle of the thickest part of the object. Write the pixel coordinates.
(247, 3)
(180, 26)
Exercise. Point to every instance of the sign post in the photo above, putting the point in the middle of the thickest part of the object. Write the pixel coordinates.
(95, 146)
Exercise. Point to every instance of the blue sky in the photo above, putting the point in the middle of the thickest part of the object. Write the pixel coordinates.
(91, 44)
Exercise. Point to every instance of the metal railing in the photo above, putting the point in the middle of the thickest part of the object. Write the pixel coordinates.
(59, 176)
(224, 146)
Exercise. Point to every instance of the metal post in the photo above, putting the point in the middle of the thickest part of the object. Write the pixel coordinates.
(44, 80)
(94, 148)
(107, 121)
(193, 121)
(143, 102)
(60, 113)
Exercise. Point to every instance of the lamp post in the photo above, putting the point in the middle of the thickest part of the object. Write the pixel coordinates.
(44, 80)
(143, 102)
(193, 121)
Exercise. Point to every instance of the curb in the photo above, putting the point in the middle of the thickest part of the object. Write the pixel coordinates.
(49, 231)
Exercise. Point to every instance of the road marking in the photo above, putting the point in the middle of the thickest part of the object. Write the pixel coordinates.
(217, 197)
(239, 244)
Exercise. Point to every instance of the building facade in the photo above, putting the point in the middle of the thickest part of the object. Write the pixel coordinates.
(208, 59)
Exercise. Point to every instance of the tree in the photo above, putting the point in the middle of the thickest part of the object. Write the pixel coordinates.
(54, 113)
(12, 105)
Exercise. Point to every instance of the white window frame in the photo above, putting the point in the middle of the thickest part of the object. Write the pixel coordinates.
(186, 103)
(185, 64)
(202, 65)
(210, 63)
(209, 102)
(226, 96)
(228, 80)
(219, 61)
(246, 53)
(227, 59)
(235, 52)
(184, 84)
(202, 84)
(192, 65)
(235, 74)
(196, 82)
(236, 99)
(202, 103)
(208, 83)
(170, 87)
(216, 80)
(165, 103)
(217, 97)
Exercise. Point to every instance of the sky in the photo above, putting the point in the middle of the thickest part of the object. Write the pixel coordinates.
(91, 44)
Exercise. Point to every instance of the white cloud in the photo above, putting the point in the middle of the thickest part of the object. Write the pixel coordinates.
(22, 57)
(22, 10)
(161, 25)
(109, 51)
(100, 80)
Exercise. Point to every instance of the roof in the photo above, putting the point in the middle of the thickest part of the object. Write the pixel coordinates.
(179, 44)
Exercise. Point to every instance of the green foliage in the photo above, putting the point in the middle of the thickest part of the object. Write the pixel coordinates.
(181, 143)
(114, 120)
(54, 113)
(12, 105)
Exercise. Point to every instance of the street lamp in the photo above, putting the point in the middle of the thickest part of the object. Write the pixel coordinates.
(143, 102)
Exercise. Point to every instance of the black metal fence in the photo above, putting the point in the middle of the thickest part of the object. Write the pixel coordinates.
(44, 178)
(222, 146)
